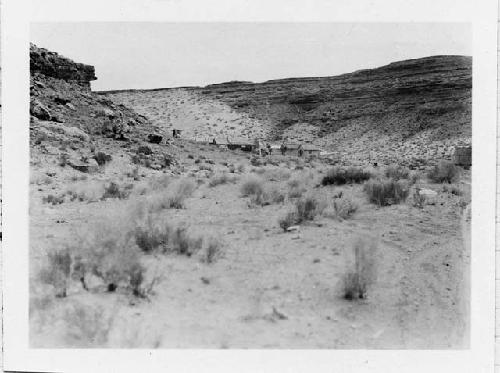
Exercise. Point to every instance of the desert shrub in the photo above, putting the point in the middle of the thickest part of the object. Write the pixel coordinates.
(159, 182)
(344, 207)
(53, 200)
(113, 190)
(205, 167)
(220, 179)
(296, 192)
(418, 200)
(241, 168)
(274, 195)
(90, 191)
(57, 271)
(308, 208)
(288, 220)
(150, 235)
(340, 176)
(444, 171)
(361, 276)
(110, 253)
(277, 174)
(453, 189)
(212, 251)
(385, 192)
(175, 195)
(252, 186)
(414, 177)
(183, 242)
(397, 172)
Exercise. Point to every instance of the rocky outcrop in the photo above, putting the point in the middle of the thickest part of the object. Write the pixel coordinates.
(45, 62)
(65, 113)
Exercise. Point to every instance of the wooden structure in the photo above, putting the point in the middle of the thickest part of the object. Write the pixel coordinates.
(463, 156)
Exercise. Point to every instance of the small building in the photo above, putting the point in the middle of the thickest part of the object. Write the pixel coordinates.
(463, 156)
(176, 133)
(311, 150)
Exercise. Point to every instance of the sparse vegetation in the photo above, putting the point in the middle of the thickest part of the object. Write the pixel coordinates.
(53, 200)
(453, 189)
(444, 172)
(57, 271)
(305, 209)
(397, 172)
(175, 195)
(113, 190)
(252, 186)
(418, 198)
(344, 207)
(340, 176)
(212, 251)
(385, 192)
(220, 179)
(357, 281)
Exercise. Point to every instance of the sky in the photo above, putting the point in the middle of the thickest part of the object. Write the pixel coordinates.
(158, 55)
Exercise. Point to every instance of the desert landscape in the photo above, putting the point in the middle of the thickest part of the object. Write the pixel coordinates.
(143, 239)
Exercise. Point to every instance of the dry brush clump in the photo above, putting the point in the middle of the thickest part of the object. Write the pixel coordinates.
(418, 199)
(305, 209)
(340, 176)
(444, 172)
(385, 192)
(397, 172)
(221, 179)
(344, 207)
(114, 190)
(174, 196)
(261, 193)
(362, 274)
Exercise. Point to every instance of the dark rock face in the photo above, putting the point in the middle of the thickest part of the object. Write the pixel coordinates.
(52, 64)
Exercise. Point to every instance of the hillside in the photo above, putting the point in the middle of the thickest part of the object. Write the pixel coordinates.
(415, 110)
(70, 121)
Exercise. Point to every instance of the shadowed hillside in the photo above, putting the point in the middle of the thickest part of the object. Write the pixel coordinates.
(414, 111)
(389, 111)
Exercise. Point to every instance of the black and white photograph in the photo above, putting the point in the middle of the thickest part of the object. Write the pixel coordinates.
(252, 185)
(309, 188)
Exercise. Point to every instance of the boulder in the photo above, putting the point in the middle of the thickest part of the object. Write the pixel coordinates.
(38, 110)
(154, 138)
(90, 166)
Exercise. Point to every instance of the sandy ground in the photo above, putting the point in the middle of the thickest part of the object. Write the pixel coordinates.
(269, 289)
(197, 115)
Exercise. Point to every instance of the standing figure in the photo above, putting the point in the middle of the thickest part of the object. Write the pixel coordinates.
(269, 150)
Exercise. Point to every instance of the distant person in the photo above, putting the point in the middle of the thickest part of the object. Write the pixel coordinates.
(269, 150)
(301, 150)
(214, 142)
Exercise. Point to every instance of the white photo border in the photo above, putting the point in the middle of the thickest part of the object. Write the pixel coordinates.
(16, 17)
